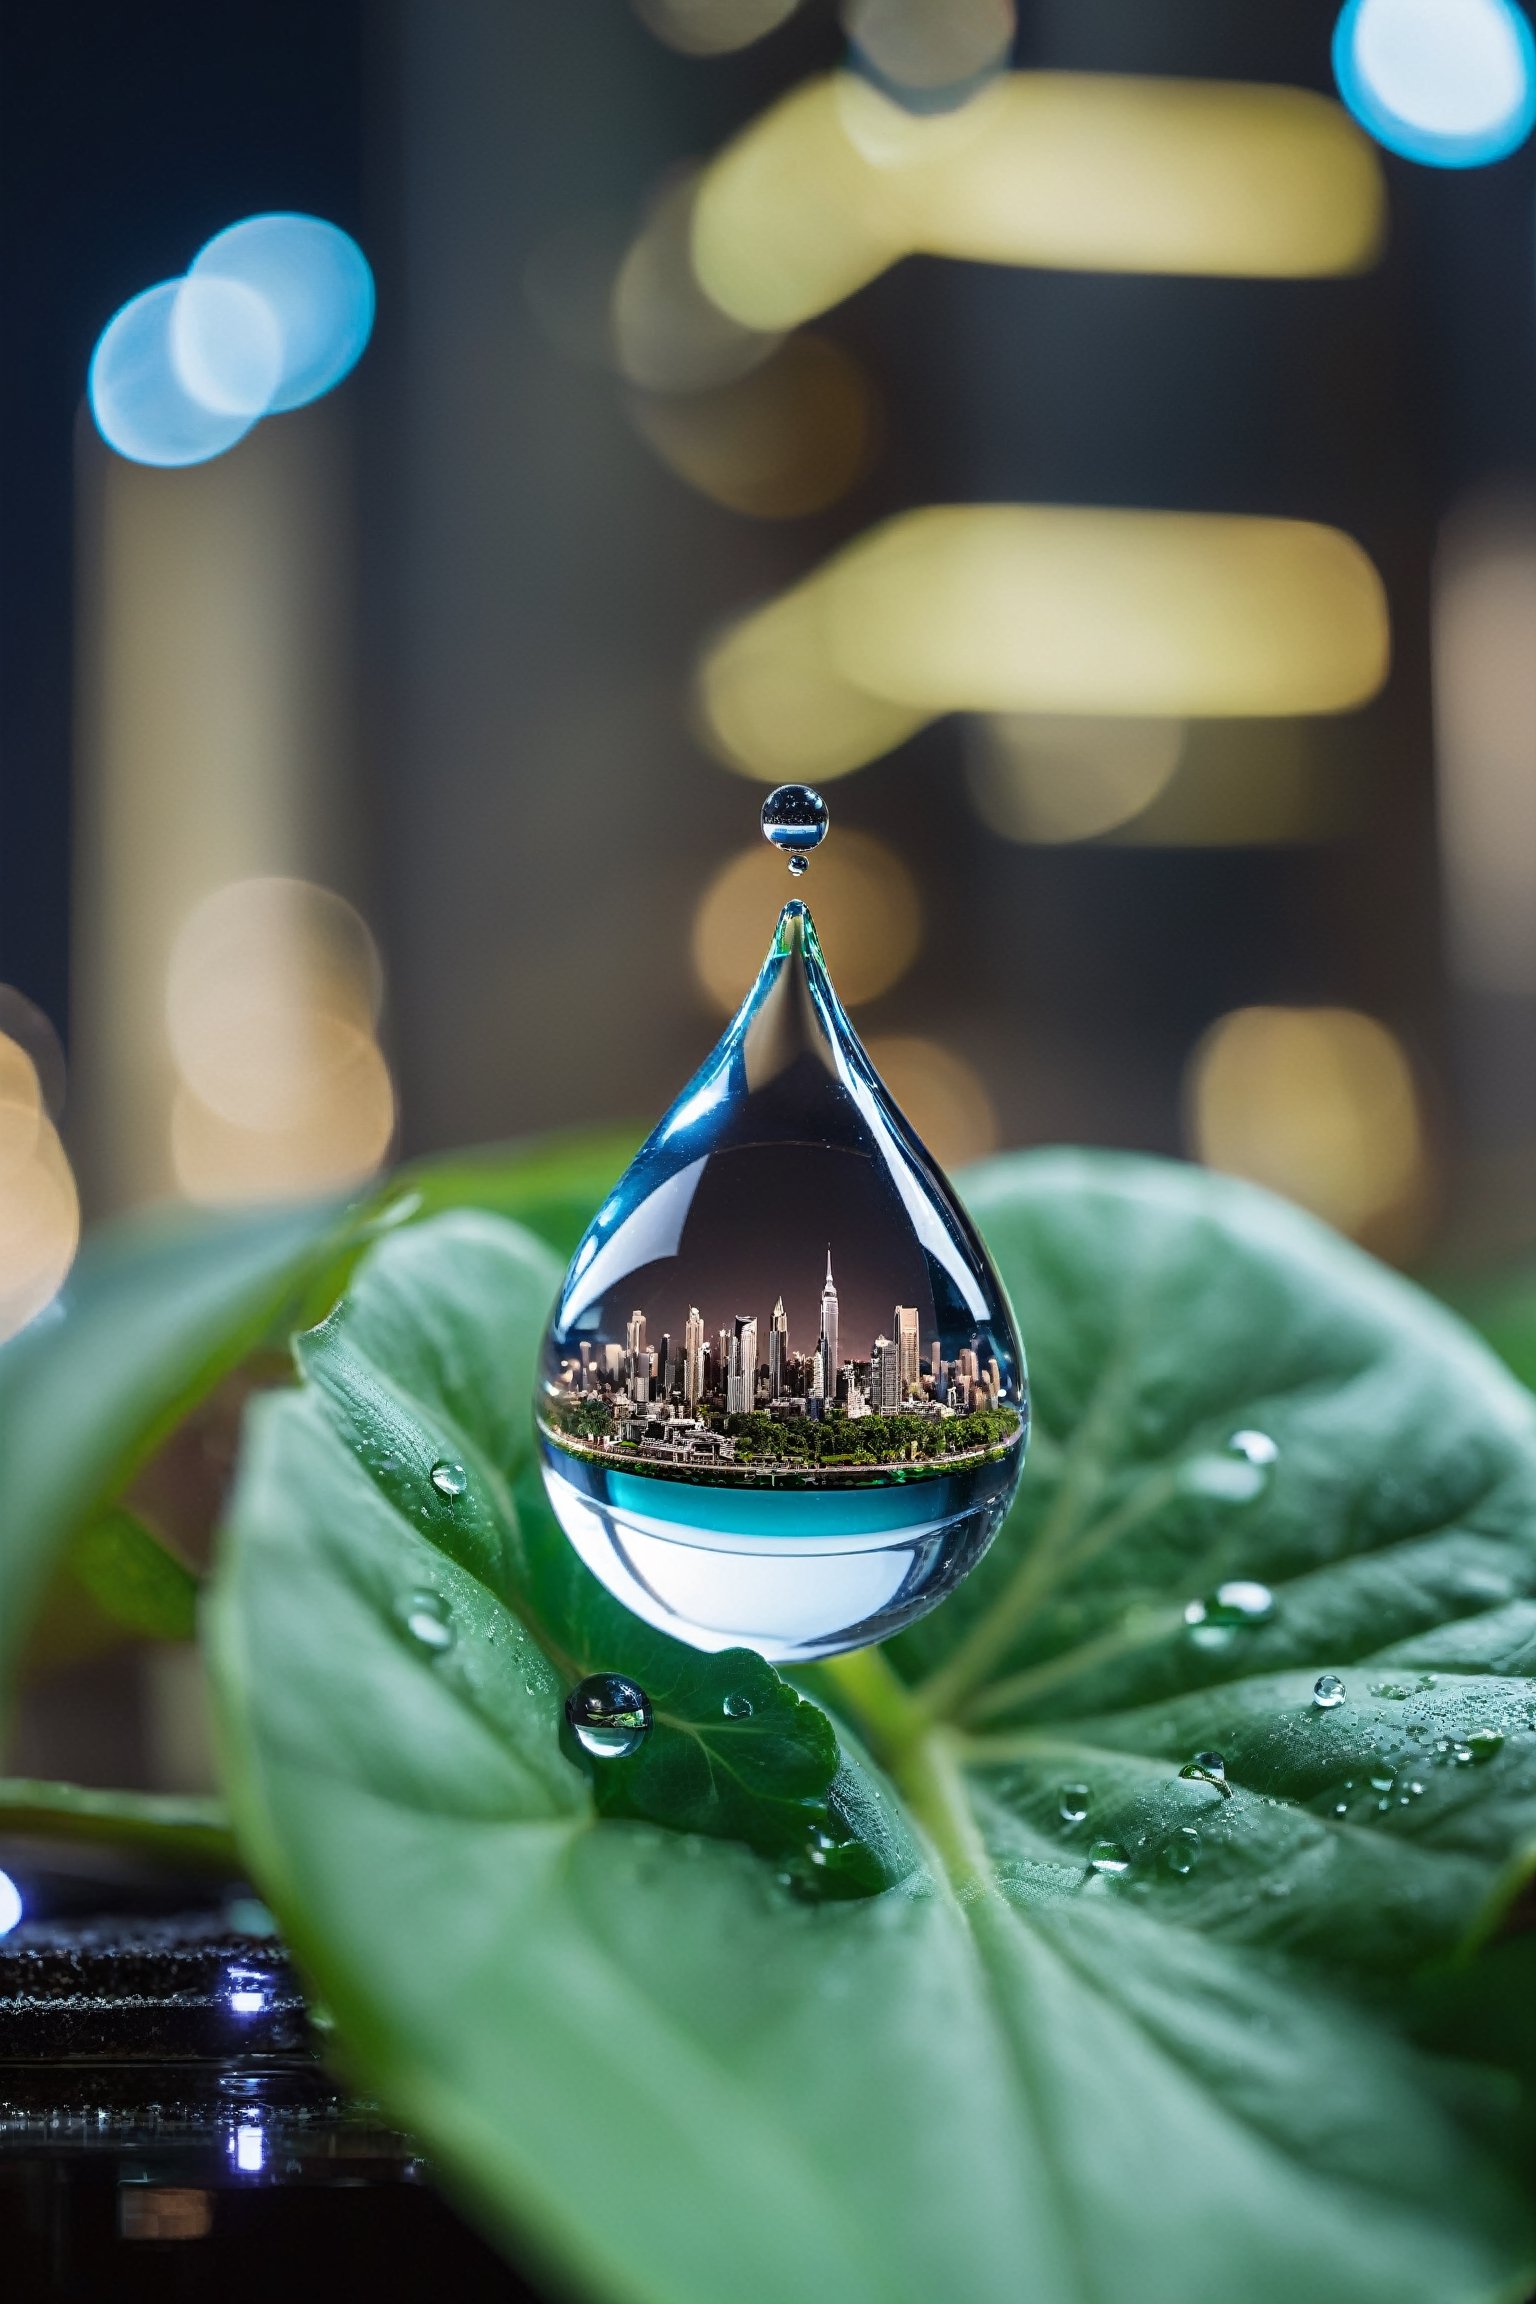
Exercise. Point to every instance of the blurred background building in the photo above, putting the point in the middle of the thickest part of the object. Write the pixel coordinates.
(389, 780)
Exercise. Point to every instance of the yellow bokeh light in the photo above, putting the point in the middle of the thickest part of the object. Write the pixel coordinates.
(343, 1141)
(1016, 608)
(772, 705)
(917, 47)
(712, 27)
(862, 898)
(21, 1107)
(1320, 1105)
(941, 1094)
(1088, 171)
(1047, 779)
(39, 1227)
(667, 335)
(783, 441)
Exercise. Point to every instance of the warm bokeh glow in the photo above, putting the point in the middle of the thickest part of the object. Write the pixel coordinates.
(712, 27)
(941, 1094)
(1046, 779)
(1045, 609)
(665, 333)
(39, 1215)
(1485, 728)
(1088, 171)
(271, 1000)
(862, 897)
(787, 439)
(1320, 1105)
(922, 52)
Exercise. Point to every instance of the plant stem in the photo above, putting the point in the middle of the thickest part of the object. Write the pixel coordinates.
(878, 1699)
(170, 1827)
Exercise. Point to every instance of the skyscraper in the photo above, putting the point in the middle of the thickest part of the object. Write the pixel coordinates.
(936, 1368)
(693, 1358)
(778, 1352)
(741, 1383)
(885, 1374)
(906, 1351)
(830, 1362)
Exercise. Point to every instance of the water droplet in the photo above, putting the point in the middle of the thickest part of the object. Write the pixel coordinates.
(1233, 1607)
(1074, 1803)
(795, 820)
(739, 1437)
(1381, 1775)
(427, 1618)
(799, 866)
(1254, 1448)
(1209, 1768)
(1393, 1691)
(448, 1478)
(737, 1707)
(609, 1716)
(1182, 1853)
(1341, 1807)
(1328, 1691)
(1108, 1856)
(1485, 1744)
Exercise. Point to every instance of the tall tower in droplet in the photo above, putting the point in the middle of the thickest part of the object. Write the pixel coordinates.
(845, 1497)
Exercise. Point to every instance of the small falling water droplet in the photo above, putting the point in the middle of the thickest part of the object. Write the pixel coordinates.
(610, 1716)
(1074, 1803)
(737, 1707)
(428, 1620)
(795, 821)
(1209, 1768)
(1182, 1853)
(1108, 1856)
(448, 1478)
(1328, 1691)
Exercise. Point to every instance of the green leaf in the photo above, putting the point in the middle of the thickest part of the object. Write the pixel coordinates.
(134, 1578)
(1504, 1311)
(174, 1828)
(649, 2063)
(428, 1362)
(156, 1311)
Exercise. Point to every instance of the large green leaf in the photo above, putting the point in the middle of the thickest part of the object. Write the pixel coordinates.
(647, 2059)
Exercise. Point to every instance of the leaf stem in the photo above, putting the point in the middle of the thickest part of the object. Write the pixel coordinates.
(872, 1690)
(174, 1828)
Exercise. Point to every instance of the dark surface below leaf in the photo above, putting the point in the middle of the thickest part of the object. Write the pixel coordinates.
(1049, 2061)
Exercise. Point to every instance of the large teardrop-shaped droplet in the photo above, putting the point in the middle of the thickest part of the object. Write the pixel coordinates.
(783, 1401)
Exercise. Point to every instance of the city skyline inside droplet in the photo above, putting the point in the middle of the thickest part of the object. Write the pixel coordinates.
(782, 1344)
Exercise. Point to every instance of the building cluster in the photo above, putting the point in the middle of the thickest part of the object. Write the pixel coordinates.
(685, 1382)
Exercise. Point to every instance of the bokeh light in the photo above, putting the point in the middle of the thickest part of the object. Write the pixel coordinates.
(1450, 83)
(315, 281)
(666, 334)
(1044, 778)
(272, 996)
(10, 1904)
(788, 439)
(941, 1093)
(863, 899)
(712, 27)
(930, 56)
(139, 393)
(226, 346)
(1044, 609)
(39, 1206)
(1091, 171)
(23, 1023)
(1320, 1105)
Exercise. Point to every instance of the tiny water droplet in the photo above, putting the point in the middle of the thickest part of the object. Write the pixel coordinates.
(1381, 1775)
(795, 820)
(426, 1616)
(1392, 1691)
(610, 1716)
(1254, 1447)
(1073, 1805)
(1232, 1605)
(1341, 1807)
(1182, 1853)
(1209, 1768)
(737, 1706)
(1108, 1856)
(799, 865)
(448, 1478)
(1485, 1744)
(1328, 1691)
